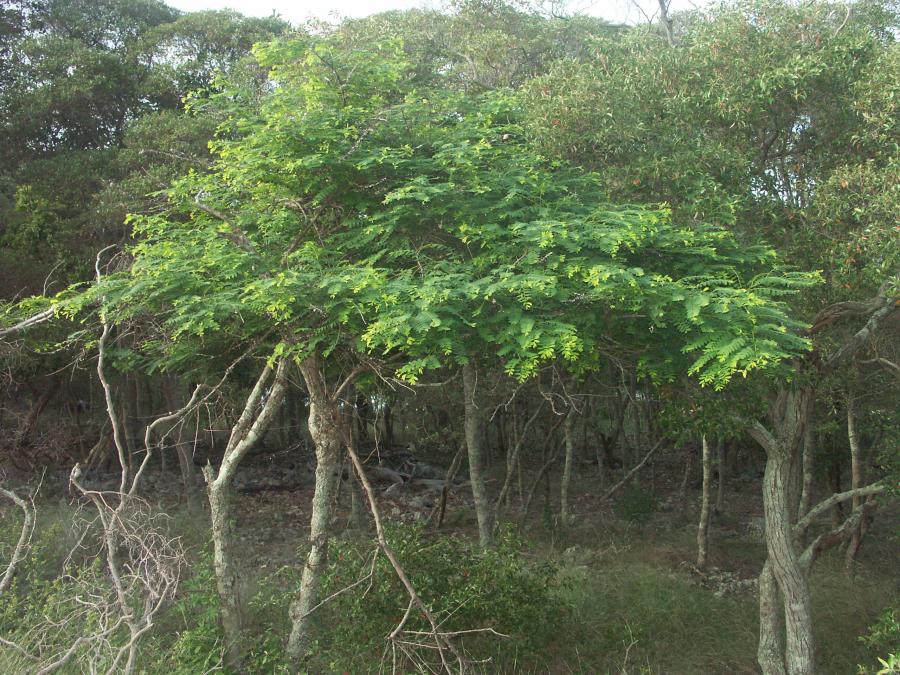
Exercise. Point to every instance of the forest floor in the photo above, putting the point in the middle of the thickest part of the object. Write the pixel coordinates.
(631, 558)
(641, 605)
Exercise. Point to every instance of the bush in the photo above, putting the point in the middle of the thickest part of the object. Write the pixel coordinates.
(464, 588)
(884, 638)
(637, 504)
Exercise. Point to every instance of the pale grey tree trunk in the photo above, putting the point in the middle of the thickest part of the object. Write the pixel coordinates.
(247, 431)
(809, 448)
(474, 435)
(325, 427)
(770, 651)
(857, 476)
(703, 527)
(567, 470)
(228, 581)
(791, 577)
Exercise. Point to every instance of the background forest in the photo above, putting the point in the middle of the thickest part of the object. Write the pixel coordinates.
(489, 339)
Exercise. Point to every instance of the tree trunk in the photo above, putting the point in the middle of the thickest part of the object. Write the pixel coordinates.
(857, 471)
(809, 448)
(246, 432)
(228, 580)
(703, 528)
(720, 470)
(792, 579)
(567, 470)
(325, 427)
(474, 435)
(770, 652)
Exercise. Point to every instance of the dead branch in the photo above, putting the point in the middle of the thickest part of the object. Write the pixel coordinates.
(630, 474)
(442, 643)
(25, 536)
(25, 324)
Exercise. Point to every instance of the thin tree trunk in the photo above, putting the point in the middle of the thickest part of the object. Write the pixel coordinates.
(857, 470)
(809, 443)
(685, 478)
(474, 435)
(567, 470)
(720, 486)
(184, 454)
(325, 422)
(513, 463)
(703, 528)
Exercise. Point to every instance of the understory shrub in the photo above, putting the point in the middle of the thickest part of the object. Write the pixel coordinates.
(884, 638)
(637, 504)
(464, 588)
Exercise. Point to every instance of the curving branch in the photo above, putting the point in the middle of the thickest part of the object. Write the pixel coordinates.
(25, 536)
(803, 524)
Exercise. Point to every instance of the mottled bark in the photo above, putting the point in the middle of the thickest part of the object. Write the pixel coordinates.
(251, 425)
(790, 416)
(770, 651)
(474, 431)
(325, 427)
(809, 448)
(703, 527)
(857, 476)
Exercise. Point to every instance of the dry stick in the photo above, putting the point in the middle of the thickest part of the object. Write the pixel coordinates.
(414, 598)
(630, 474)
(527, 505)
(445, 490)
(33, 320)
(514, 459)
(537, 481)
(24, 537)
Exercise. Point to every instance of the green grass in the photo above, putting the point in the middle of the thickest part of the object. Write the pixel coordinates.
(633, 607)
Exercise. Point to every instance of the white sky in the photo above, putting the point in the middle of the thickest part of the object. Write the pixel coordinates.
(298, 11)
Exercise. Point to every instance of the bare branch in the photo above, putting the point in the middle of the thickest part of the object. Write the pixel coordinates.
(803, 524)
(25, 536)
(612, 490)
(25, 324)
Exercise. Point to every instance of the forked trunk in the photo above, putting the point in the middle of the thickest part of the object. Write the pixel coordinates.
(247, 431)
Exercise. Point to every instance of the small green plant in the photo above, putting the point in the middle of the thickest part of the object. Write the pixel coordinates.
(637, 504)
(464, 588)
(198, 646)
(884, 637)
